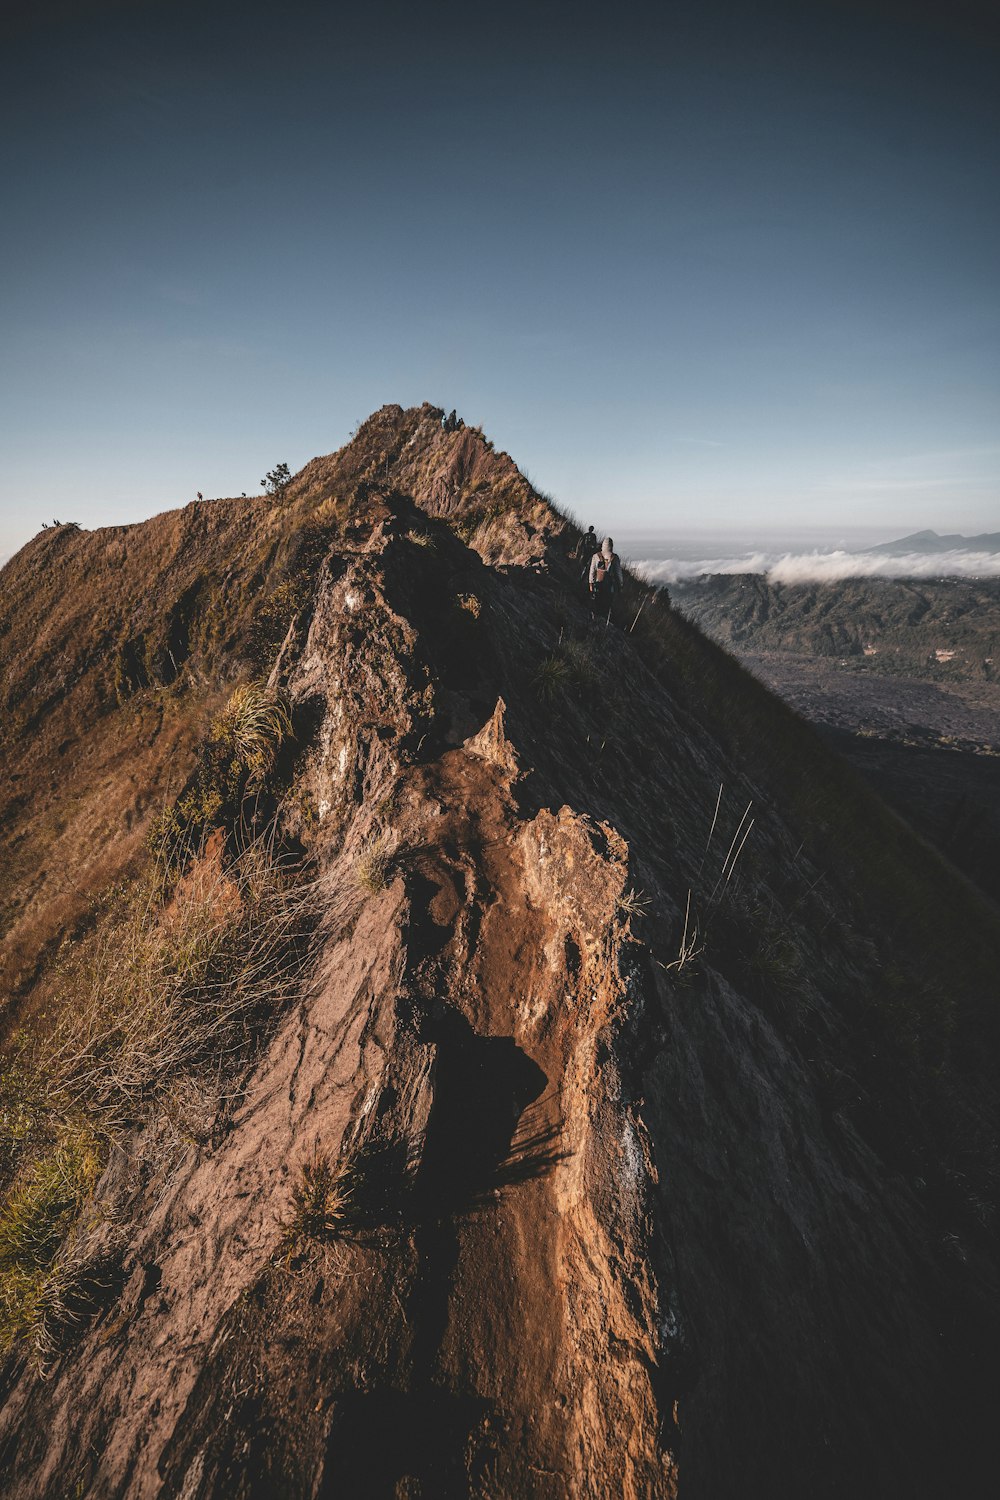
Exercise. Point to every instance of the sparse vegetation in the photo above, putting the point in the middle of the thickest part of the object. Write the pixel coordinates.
(276, 481)
(277, 608)
(570, 668)
(39, 1209)
(170, 1005)
(633, 903)
(373, 864)
(479, 518)
(253, 725)
(239, 755)
(551, 676)
(701, 909)
(690, 946)
(321, 1200)
(179, 987)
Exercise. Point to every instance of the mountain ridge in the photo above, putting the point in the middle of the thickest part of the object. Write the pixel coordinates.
(649, 1133)
(931, 541)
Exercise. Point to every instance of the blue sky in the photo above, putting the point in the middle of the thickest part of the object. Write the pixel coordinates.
(693, 266)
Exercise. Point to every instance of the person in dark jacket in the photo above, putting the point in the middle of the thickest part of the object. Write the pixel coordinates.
(586, 546)
(584, 551)
(605, 577)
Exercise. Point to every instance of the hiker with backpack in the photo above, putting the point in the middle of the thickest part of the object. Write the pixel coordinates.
(584, 551)
(605, 577)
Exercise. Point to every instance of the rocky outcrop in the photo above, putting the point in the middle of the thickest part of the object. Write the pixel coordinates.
(657, 1185)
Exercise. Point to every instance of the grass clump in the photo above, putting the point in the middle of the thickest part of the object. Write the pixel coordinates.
(253, 726)
(373, 864)
(551, 676)
(41, 1205)
(321, 1201)
(159, 1018)
(234, 765)
(570, 668)
(180, 987)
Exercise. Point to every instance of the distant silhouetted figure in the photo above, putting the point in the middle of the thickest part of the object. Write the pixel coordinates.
(584, 551)
(606, 578)
(200, 495)
(451, 421)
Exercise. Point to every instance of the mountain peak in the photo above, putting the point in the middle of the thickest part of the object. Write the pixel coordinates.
(469, 1029)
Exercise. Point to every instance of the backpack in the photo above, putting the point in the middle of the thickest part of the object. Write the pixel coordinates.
(603, 571)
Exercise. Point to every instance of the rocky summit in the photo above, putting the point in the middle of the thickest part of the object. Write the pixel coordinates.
(454, 1046)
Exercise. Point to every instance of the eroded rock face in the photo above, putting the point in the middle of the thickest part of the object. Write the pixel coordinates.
(641, 1197)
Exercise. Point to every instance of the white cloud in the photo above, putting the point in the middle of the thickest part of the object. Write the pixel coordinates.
(828, 567)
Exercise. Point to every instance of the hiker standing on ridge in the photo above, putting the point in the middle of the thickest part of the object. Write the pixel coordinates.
(584, 551)
(605, 576)
(586, 546)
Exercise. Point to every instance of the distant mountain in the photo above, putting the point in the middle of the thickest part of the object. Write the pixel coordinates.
(940, 627)
(930, 541)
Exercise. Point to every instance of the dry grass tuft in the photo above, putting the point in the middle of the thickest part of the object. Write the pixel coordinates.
(633, 903)
(41, 1206)
(253, 725)
(180, 988)
(164, 1013)
(321, 1201)
(373, 864)
(691, 946)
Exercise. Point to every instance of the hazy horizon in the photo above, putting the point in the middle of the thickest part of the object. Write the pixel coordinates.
(786, 554)
(726, 264)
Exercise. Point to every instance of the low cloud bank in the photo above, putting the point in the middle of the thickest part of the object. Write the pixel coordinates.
(828, 567)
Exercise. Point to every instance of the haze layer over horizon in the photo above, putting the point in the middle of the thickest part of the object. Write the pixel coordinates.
(694, 263)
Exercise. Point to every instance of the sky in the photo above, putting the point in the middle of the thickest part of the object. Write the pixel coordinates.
(694, 266)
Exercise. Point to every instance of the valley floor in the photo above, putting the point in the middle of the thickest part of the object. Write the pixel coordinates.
(931, 749)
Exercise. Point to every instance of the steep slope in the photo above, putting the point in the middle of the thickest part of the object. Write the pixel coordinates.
(902, 677)
(591, 1148)
(118, 642)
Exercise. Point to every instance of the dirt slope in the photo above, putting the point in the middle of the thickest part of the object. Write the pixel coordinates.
(621, 1224)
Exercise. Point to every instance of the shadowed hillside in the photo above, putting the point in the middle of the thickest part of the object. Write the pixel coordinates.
(944, 629)
(454, 1048)
(901, 675)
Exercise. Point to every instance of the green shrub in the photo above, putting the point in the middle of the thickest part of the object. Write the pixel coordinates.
(276, 481)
